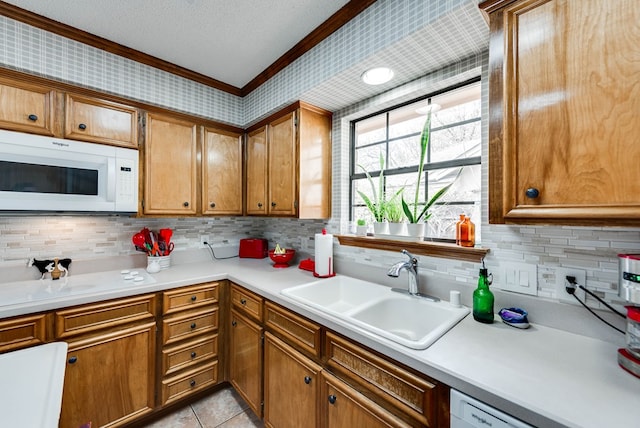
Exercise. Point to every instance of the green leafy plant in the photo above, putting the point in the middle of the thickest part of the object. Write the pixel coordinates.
(413, 216)
(361, 222)
(378, 203)
(395, 213)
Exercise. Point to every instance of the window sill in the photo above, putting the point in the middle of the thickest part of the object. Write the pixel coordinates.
(423, 248)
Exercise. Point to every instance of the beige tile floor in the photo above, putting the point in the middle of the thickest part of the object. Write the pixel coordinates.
(221, 409)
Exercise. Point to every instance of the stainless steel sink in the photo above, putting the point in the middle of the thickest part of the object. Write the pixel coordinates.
(408, 320)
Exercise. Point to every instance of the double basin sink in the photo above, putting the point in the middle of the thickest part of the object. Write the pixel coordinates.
(411, 321)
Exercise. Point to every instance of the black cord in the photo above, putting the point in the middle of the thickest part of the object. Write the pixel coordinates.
(214, 254)
(612, 309)
(596, 315)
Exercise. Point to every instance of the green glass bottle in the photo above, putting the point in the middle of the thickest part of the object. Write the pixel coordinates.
(483, 298)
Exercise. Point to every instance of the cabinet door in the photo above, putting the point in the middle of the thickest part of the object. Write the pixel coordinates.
(257, 176)
(99, 121)
(221, 172)
(291, 386)
(283, 166)
(246, 360)
(109, 378)
(170, 176)
(563, 120)
(26, 107)
(345, 407)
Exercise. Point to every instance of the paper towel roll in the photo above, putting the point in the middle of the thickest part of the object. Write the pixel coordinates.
(324, 254)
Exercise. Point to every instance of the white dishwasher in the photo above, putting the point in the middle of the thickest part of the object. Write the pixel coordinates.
(467, 412)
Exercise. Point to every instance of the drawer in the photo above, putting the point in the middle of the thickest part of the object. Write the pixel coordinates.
(88, 318)
(180, 386)
(189, 297)
(190, 324)
(246, 302)
(405, 391)
(189, 354)
(298, 331)
(22, 332)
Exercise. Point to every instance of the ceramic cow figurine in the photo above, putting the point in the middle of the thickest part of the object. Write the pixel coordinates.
(45, 266)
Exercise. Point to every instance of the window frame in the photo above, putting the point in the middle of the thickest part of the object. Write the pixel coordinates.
(428, 166)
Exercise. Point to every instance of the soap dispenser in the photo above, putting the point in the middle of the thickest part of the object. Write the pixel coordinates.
(483, 297)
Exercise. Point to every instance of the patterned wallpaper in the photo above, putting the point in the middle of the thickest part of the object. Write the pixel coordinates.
(314, 78)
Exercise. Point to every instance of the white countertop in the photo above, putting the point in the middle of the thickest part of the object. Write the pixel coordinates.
(31, 385)
(544, 376)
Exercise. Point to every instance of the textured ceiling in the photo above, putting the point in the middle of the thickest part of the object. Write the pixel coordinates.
(229, 40)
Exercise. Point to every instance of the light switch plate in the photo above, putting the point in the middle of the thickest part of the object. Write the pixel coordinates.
(519, 278)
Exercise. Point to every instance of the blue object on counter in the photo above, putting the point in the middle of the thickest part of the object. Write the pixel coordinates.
(515, 317)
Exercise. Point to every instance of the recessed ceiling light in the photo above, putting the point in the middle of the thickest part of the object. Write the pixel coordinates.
(429, 108)
(377, 76)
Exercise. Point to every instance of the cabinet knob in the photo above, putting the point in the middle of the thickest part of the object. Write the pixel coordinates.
(259, 204)
(307, 380)
(233, 323)
(194, 298)
(82, 126)
(212, 204)
(532, 193)
(193, 325)
(273, 204)
(185, 204)
(243, 301)
(332, 399)
(192, 383)
(72, 360)
(193, 355)
(32, 117)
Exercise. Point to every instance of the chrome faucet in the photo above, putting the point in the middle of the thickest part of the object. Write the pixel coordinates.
(411, 266)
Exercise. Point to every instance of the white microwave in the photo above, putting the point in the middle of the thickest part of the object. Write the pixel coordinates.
(52, 174)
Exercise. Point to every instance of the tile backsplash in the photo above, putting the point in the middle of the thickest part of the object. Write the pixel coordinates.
(90, 237)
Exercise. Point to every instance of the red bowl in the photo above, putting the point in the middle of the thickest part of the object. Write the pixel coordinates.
(282, 260)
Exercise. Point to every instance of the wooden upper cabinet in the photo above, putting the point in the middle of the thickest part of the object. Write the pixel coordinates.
(295, 146)
(221, 172)
(257, 175)
(27, 107)
(170, 172)
(282, 166)
(563, 112)
(98, 121)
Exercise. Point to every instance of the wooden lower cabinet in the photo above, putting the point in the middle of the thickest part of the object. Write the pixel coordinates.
(109, 378)
(245, 362)
(21, 332)
(345, 407)
(291, 386)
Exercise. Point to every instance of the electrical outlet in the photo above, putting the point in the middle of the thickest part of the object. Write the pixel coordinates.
(561, 284)
(203, 239)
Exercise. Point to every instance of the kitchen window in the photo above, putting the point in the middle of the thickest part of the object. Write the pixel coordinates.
(454, 154)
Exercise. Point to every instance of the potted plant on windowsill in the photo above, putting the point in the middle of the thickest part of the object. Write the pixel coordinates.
(396, 218)
(361, 227)
(378, 203)
(414, 215)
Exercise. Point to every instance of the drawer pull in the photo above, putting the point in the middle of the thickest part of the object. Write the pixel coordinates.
(307, 380)
(193, 355)
(32, 117)
(194, 298)
(185, 204)
(243, 301)
(212, 204)
(82, 126)
(332, 399)
(193, 325)
(259, 204)
(192, 383)
(233, 323)
(72, 360)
